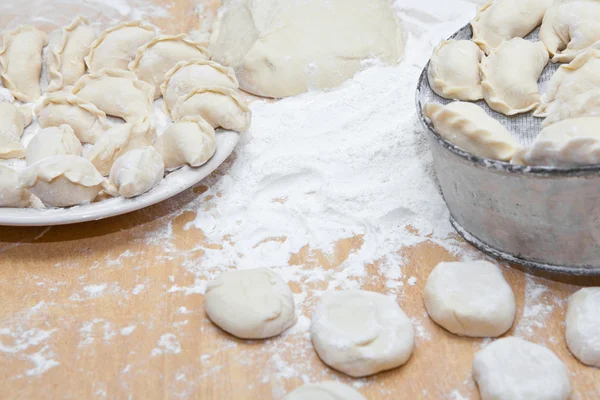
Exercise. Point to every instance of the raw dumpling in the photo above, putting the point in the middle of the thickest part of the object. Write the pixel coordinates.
(510, 74)
(63, 181)
(189, 75)
(12, 193)
(65, 53)
(469, 127)
(569, 143)
(570, 27)
(220, 107)
(501, 20)
(119, 140)
(190, 141)
(14, 119)
(52, 141)
(454, 70)
(21, 62)
(116, 47)
(117, 93)
(137, 171)
(157, 57)
(567, 89)
(11, 147)
(83, 117)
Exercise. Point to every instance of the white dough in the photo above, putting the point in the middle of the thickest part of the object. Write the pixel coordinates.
(569, 143)
(12, 192)
(510, 76)
(11, 147)
(282, 48)
(326, 390)
(137, 171)
(189, 141)
(515, 369)
(470, 299)
(52, 141)
(454, 70)
(469, 127)
(583, 326)
(361, 333)
(14, 119)
(250, 304)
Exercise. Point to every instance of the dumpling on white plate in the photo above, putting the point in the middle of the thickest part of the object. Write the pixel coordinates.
(137, 171)
(12, 192)
(14, 119)
(52, 141)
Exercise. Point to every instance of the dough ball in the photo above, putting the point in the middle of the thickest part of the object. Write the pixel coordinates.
(281, 48)
(583, 326)
(361, 333)
(250, 304)
(470, 299)
(327, 390)
(515, 369)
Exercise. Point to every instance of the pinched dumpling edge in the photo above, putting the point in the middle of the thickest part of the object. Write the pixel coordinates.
(89, 177)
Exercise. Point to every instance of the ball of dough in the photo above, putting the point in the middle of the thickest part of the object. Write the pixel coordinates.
(282, 48)
(327, 390)
(470, 299)
(515, 369)
(583, 326)
(250, 304)
(361, 333)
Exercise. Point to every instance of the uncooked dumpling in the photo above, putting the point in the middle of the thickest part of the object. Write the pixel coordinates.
(52, 141)
(116, 47)
(327, 390)
(220, 107)
(154, 59)
(583, 326)
(21, 62)
(12, 193)
(515, 369)
(66, 51)
(189, 141)
(189, 75)
(11, 147)
(86, 120)
(14, 119)
(117, 93)
(361, 333)
(281, 48)
(137, 171)
(454, 70)
(571, 27)
(569, 143)
(510, 74)
(500, 20)
(469, 127)
(119, 140)
(63, 181)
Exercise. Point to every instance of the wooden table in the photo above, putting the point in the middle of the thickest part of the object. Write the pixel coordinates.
(106, 310)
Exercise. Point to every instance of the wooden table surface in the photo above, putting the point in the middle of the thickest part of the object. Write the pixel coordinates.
(108, 310)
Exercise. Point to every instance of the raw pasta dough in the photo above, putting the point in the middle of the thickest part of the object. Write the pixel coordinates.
(282, 48)
(190, 141)
(454, 70)
(137, 171)
(510, 74)
(220, 107)
(469, 127)
(470, 299)
(117, 93)
(21, 62)
(65, 54)
(52, 141)
(569, 143)
(361, 333)
(515, 369)
(154, 59)
(12, 193)
(13, 121)
(116, 47)
(327, 390)
(570, 27)
(501, 20)
(583, 326)
(250, 304)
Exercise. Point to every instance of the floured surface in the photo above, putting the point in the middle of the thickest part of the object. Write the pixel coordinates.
(331, 190)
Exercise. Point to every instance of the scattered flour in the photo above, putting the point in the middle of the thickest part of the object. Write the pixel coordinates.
(167, 344)
(537, 308)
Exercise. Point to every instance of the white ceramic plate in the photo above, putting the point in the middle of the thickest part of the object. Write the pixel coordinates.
(173, 184)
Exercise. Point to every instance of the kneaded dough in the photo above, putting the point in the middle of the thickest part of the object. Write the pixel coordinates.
(250, 304)
(326, 390)
(470, 299)
(515, 369)
(583, 326)
(281, 48)
(361, 333)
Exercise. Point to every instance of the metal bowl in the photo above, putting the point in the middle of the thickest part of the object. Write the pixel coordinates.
(543, 218)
